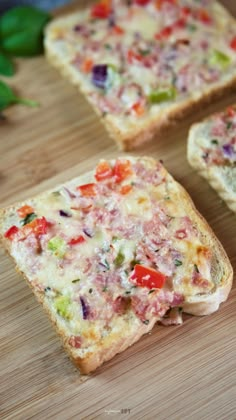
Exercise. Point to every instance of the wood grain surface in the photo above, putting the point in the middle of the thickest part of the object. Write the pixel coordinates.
(186, 372)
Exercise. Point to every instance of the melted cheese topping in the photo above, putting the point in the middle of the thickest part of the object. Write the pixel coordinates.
(217, 139)
(184, 48)
(96, 234)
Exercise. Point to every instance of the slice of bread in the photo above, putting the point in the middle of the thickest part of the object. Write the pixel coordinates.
(111, 252)
(143, 65)
(212, 152)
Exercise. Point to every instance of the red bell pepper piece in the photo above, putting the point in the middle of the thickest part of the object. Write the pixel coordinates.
(204, 16)
(101, 10)
(160, 3)
(133, 56)
(79, 240)
(147, 277)
(87, 190)
(122, 170)
(87, 65)
(231, 112)
(142, 2)
(11, 232)
(24, 211)
(103, 171)
(138, 108)
(233, 43)
(125, 189)
(117, 30)
(37, 226)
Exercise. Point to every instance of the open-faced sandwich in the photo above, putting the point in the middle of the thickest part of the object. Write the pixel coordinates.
(111, 252)
(143, 63)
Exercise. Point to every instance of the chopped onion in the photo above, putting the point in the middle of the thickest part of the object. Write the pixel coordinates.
(64, 213)
(85, 308)
(99, 75)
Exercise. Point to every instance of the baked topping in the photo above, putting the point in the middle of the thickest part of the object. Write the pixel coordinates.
(123, 245)
(219, 146)
(136, 56)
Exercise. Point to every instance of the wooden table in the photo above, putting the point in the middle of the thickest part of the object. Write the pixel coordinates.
(185, 372)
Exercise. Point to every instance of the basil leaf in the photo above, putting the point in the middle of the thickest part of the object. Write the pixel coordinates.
(21, 30)
(8, 97)
(6, 65)
(23, 44)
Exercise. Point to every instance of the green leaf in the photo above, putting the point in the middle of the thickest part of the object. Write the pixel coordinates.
(21, 18)
(8, 97)
(6, 65)
(162, 95)
(23, 44)
(21, 30)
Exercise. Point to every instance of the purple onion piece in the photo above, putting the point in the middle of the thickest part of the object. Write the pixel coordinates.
(88, 232)
(99, 75)
(71, 195)
(85, 308)
(77, 28)
(228, 149)
(111, 20)
(64, 213)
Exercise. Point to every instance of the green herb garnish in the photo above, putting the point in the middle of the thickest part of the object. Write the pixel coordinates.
(196, 268)
(75, 281)
(146, 322)
(151, 291)
(6, 65)
(118, 261)
(105, 289)
(29, 218)
(8, 97)
(90, 290)
(214, 141)
(229, 125)
(178, 263)
(133, 263)
(108, 46)
(21, 30)
(144, 53)
(191, 27)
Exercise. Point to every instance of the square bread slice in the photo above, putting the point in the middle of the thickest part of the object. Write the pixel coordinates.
(212, 152)
(143, 64)
(111, 252)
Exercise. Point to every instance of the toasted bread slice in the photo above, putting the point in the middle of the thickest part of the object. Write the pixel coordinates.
(143, 65)
(212, 152)
(110, 253)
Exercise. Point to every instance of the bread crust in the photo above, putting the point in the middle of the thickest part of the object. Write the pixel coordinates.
(155, 124)
(210, 173)
(129, 333)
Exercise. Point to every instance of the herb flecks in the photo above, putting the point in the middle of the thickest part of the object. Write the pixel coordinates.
(118, 261)
(178, 263)
(75, 281)
(196, 268)
(29, 218)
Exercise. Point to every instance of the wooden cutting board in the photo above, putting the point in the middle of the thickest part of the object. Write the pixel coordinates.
(185, 372)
